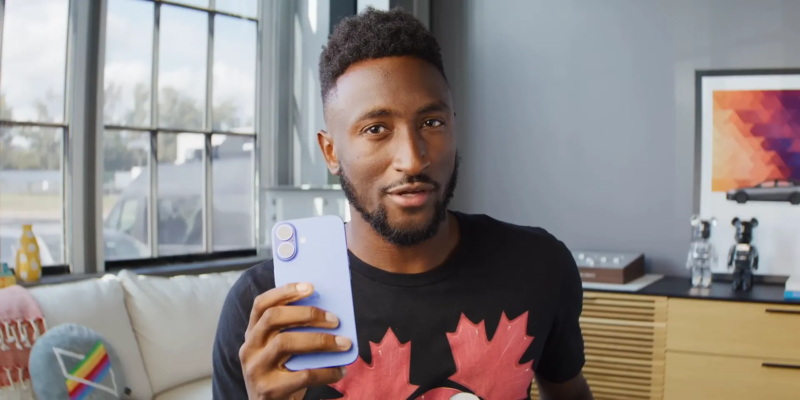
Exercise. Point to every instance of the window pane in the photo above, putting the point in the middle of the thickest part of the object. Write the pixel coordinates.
(129, 58)
(234, 74)
(233, 185)
(180, 193)
(34, 60)
(247, 8)
(196, 3)
(30, 191)
(182, 68)
(126, 190)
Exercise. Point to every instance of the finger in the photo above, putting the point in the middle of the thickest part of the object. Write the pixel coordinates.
(286, 344)
(277, 296)
(316, 377)
(282, 317)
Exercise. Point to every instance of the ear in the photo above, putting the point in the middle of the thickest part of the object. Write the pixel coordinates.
(713, 221)
(735, 222)
(754, 222)
(326, 145)
(695, 220)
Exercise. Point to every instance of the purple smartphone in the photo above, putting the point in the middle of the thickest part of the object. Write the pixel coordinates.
(315, 250)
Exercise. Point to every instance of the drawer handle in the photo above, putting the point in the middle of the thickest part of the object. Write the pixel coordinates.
(781, 311)
(775, 365)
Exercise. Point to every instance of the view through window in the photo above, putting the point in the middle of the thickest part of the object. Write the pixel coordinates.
(33, 126)
(180, 96)
(178, 141)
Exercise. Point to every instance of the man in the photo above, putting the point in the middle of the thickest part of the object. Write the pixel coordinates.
(448, 305)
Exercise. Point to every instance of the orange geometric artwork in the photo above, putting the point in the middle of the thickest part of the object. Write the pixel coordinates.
(756, 137)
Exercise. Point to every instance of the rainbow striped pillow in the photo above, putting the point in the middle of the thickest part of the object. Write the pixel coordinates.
(72, 362)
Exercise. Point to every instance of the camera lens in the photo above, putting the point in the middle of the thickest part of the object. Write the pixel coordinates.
(286, 250)
(284, 232)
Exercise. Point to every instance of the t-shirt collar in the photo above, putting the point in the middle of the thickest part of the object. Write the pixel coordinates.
(432, 276)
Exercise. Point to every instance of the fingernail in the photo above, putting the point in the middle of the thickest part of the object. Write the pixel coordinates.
(344, 371)
(343, 342)
(330, 317)
(303, 287)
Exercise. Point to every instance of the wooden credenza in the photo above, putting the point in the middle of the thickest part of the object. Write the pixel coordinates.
(660, 347)
(732, 350)
(625, 340)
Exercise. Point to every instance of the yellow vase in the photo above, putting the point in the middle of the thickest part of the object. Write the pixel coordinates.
(29, 264)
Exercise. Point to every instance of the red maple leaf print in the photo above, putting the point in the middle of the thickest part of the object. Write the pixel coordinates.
(388, 373)
(491, 369)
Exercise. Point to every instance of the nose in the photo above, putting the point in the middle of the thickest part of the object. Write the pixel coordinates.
(410, 152)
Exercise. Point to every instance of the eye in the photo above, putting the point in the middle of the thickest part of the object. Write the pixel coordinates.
(375, 129)
(433, 123)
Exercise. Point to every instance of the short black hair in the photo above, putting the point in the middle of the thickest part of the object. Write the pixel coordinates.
(375, 34)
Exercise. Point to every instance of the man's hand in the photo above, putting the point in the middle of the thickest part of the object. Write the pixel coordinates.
(267, 346)
(573, 389)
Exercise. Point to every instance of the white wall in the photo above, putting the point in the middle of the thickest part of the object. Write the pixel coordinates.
(579, 115)
(311, 27)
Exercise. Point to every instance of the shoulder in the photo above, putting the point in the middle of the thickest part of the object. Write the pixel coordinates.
(259, 277)
(253, 281)
(228, 380)
(239, 301)
(529, 237)
(530, 250)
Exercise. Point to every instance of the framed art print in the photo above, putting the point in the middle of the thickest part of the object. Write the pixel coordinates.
(748, 127)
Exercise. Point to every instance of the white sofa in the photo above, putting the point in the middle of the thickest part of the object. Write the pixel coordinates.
(161, 328)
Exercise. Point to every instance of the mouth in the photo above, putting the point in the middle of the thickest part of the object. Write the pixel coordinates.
(411, 195)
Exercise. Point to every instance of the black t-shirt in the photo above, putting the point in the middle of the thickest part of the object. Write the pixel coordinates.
(504, 304)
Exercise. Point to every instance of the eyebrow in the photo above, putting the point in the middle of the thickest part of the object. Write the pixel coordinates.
(437, 106)
(379, 112)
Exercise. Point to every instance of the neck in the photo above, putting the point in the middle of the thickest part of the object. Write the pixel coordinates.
(373, 249)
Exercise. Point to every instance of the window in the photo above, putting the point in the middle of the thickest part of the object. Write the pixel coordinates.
(129, 216)
(179, 129)
(33, 125)
(179, 140)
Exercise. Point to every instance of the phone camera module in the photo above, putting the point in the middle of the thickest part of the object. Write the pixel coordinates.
(286, 250)
(284, 232)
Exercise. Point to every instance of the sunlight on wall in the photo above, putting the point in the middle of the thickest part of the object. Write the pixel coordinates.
(312, 15)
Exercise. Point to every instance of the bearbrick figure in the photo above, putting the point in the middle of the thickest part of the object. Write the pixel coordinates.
(743, 256)
(702, 253)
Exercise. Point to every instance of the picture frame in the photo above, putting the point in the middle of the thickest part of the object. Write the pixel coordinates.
(747, 161)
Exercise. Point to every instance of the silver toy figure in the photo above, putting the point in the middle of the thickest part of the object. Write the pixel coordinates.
(743, 256)
(702, 254)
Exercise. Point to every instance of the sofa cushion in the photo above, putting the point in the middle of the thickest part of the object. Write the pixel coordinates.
(98, 304)
(175, 320)
(197, 390)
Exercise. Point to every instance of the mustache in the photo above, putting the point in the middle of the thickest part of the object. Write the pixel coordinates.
(408, 179)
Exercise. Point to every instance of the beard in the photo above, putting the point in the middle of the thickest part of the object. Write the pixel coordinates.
(379, 219)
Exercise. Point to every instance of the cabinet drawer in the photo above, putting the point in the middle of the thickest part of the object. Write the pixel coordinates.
(732, 328)
(705, 377)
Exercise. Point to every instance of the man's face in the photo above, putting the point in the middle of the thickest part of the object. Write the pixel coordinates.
(392, 142)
